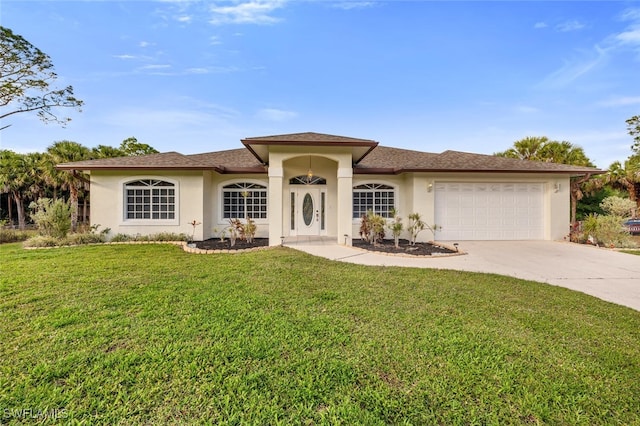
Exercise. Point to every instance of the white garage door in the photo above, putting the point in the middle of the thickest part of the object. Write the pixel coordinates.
(489, 211)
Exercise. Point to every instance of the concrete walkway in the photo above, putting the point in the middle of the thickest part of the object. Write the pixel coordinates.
(606, 274)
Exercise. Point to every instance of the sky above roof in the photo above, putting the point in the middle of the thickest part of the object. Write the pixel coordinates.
(198, 76)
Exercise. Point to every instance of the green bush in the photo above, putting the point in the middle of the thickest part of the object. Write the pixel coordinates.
(618, 206)
(160, 236)
(168, 236)
(42, 241)
(82, 238)
(13, 235)
(53, 217)
(607, 231)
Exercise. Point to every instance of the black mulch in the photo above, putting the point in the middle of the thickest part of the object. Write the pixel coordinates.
(388, 246)
(216, 244)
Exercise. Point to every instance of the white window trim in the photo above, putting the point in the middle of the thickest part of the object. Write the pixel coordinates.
(220, 196)
(396, 195)
(148, 222)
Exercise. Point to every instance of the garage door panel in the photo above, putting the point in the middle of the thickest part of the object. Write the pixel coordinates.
(489, 211)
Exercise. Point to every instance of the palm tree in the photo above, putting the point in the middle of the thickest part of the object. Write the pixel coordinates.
(564, 153)
(540, 148)
(66, 152)
(626, 177)
(16, 179)
(106, 151)
(526, 149)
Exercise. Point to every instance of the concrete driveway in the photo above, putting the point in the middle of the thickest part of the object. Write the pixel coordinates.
(606, 274)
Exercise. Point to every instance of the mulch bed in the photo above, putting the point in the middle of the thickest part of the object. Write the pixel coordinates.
(388, 246)
(216, 244)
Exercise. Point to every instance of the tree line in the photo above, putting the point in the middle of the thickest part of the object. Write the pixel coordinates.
(25, 178)
(623, 177)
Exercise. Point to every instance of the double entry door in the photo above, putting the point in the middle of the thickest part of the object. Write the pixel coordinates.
(308, 210)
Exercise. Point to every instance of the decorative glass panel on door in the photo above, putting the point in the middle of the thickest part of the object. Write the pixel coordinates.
(307, 209)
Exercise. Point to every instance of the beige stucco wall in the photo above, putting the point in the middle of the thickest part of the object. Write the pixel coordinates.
(107, 202)
(213, 205)
(199, 197)
(416, 194)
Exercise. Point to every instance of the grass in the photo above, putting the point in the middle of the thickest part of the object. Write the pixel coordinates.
(148, 334)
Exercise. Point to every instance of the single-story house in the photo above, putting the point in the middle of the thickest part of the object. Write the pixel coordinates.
(317, 184)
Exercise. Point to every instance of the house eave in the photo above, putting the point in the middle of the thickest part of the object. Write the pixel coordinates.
(150, 167)
(397, 171)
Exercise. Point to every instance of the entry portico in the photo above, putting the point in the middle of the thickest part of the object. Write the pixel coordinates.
(316, 172)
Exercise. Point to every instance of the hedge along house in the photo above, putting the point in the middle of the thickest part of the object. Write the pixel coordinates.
(310, 184)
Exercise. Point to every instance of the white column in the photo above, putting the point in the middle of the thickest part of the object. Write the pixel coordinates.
(345, 202)
(276, 174)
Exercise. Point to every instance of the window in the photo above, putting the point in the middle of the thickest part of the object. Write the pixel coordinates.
(376, 197)
(307, 180)
(150, 199)
(243, 198)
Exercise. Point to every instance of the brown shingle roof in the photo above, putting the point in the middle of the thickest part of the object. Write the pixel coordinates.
(231, 161)
(259, 146)
(394, 160)
(308, 137)
(378, 160)
(165, 160)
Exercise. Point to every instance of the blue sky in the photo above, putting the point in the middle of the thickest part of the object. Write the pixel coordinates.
(198, 76)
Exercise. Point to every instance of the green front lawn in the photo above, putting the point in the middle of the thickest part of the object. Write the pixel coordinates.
(148, 334)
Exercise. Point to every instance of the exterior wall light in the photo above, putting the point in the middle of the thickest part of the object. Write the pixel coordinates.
(556, 187)
(430, 187)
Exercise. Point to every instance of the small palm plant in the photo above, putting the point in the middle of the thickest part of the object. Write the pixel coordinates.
(377, 224)
(250, 229)
(396, 227)
(416, 225)
(194, 223)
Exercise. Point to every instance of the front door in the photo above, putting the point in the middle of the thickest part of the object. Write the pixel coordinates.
(309, 210)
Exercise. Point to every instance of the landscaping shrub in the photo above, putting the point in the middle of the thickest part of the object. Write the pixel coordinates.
(13, 235)
(121, 238)
(372, 227)
(618, 206)
(42, 241)
(160, 236)
(52, 217)
(83, 238)
(168, 236)
(607, 231)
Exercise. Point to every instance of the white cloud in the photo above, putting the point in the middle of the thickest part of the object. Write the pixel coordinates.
(525, 109)
(272, 114)
(349, 5)
(570, 26)
(124, 56)
(629, 37)
(247, 12)
(621, 101)
(631, 34)
(155, 67)
(585, 61)
(184, 19)
(539, 25)
(573, 69)
(144, 44)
